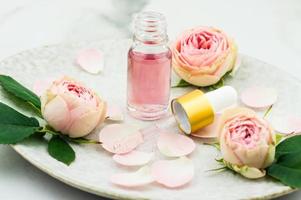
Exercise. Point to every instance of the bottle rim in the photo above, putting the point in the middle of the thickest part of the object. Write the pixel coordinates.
(150, 27)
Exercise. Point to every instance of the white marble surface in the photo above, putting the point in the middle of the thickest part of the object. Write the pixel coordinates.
(267, 29)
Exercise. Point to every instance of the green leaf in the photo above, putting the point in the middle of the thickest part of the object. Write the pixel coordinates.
(287, 165)
(290, 160)
(10, 116)
(14, 126)
(15, 88)
(182, 83)
(11, 134)
(38, 134)
(279, 137)
(288, 146)
(60, 150)
(287, 175)
(81, 140)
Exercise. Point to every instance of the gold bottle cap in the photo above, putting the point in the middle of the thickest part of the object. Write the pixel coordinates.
(196, 109)
(192, 111)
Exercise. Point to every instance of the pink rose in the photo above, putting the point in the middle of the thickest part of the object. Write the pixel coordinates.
(203, 55)
(247, 142)
(71, 108)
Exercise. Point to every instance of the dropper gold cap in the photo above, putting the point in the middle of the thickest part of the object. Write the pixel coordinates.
(192, 111)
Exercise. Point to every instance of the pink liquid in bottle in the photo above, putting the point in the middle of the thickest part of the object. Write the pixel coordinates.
(149, 68)
(148, 84)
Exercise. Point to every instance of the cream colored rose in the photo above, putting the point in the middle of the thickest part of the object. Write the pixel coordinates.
(203, 55)
(71, 108)
(247, 142)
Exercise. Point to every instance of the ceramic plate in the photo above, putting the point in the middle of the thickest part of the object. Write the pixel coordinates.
(93, 166)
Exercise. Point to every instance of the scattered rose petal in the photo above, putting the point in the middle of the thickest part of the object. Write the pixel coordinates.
(259, 97)
(40, 86)
(287, 125)
(91, 60)
(133, 158)
(114, 113)
(174, 145)
(150, 136)
(210, 131)
(120, 138)
(173, 173)
(138, 178)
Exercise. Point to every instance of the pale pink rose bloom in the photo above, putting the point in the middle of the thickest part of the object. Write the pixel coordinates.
(203, 55)
(246, 140)
(71, 108)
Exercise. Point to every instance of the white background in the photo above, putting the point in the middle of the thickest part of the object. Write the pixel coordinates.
(266, 29)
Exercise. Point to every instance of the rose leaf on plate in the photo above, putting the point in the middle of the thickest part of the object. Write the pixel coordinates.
(287, 165)
(11, 134)
(15, 88)
(14, 126)
(182, 83)
(60, 150)
(287, 175)
(9, 115)
(287, 169)
(80, 140)
(288, 146)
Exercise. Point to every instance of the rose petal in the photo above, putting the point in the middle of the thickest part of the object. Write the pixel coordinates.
(114, 113)
(40, 86)
(133, 158)
(120, 138)
(174, 145)
(82, 125)
(173, 173)
(150, 136)
(138, 178)
(287, 125)
(56, 113)
(259, 97)
(91, 60)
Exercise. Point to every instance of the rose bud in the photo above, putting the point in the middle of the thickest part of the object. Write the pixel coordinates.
(247, 142)
(71, 108)
(203, 55)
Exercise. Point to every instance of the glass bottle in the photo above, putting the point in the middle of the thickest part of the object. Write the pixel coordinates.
(149, 68)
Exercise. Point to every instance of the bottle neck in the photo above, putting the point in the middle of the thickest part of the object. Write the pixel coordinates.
(150, 29)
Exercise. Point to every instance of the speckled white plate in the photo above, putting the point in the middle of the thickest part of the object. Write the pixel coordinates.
(93, 166)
